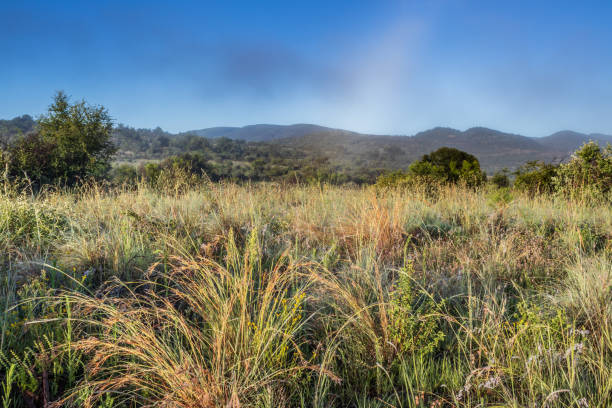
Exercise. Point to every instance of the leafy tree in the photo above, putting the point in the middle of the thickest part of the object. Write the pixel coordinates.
(589, 170)
(449, 165)
(445, 165)
(81, 136)
(30, 157)
(536, 177)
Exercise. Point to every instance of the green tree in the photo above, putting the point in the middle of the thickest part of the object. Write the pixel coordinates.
(81, 136)
(589, 170)
(449, 165)
(536, 177)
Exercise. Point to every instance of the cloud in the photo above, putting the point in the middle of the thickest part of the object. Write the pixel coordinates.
(272, 69)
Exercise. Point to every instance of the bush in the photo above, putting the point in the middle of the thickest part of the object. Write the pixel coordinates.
(71, 143)
(124, 174)
(589, 170)
(450, 165)
(536, 177)
(500, 179)
(445, 165)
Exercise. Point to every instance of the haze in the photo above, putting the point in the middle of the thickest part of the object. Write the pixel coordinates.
(381, 67)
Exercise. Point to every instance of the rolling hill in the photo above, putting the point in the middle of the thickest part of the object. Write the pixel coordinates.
(494, 149)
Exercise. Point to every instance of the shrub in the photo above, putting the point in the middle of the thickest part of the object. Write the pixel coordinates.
(589, 170)
(445, 165)
(500, 179)
(450, 165)
(536, 177)
(124, 174)
(71, 143)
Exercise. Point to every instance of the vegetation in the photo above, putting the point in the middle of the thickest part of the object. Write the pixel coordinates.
(588, 174)
(70, 143)
(219, 294)
(179, 283)
(445, 165)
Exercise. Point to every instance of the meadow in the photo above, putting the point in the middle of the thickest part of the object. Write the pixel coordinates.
(272, 295)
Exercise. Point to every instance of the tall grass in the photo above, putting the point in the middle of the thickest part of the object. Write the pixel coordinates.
(269, 295)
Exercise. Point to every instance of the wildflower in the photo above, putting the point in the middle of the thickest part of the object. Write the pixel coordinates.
(491, 383)
(584, 332)
(576, 348)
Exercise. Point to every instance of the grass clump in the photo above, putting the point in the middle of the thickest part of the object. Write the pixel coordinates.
(225, 295)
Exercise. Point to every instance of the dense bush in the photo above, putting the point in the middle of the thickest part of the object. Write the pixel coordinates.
(536, 177)
(445, 165)
(588, 174)
(72, 142)
(589, 171)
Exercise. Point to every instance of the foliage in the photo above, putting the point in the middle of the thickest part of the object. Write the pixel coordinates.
(536, 177)
(589, 170)
(500, 179)
(72, 142)
(445, 165)
(414, 317)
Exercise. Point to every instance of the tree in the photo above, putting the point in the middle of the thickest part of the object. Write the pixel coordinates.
(445, 165)
(588, 171)
(536, 177)
(81, 136)
(449, 165)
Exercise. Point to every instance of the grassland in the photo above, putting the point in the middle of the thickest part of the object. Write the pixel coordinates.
(264, 295)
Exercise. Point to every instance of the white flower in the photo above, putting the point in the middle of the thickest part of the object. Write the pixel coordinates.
(576, 348)
(491, 383)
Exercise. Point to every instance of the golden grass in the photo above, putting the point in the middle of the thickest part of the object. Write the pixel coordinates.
(270, 295)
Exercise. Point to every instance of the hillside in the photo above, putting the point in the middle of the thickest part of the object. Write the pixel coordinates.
(495, 149)
(9, 129)
(567, 140)
(347, 149)
(263, 132)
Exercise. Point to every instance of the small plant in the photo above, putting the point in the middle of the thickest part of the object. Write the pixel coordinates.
(7, 386)
(414, 317)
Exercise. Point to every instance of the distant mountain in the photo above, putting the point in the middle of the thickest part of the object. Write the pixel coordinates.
(568, 141)
(494, 149)
(260, 133)
(9, 129)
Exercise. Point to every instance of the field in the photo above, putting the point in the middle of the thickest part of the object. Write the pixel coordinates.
(267, 295)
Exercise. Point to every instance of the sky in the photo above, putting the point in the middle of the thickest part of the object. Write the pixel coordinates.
(379, 66)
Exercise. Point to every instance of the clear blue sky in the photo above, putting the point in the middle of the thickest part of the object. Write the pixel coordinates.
(531, 67)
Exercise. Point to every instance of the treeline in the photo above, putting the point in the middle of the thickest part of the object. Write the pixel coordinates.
(588, 174)
(74, 142)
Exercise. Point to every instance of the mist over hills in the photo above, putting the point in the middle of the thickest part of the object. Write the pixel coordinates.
(494, 149)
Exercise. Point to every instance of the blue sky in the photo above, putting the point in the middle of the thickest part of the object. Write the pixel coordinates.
(388, 67)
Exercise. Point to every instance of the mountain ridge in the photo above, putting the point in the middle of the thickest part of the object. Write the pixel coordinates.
(495, 149)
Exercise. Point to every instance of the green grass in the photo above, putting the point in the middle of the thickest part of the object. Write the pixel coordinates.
(265, 295)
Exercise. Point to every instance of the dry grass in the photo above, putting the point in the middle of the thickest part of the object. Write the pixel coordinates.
(268, 295)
